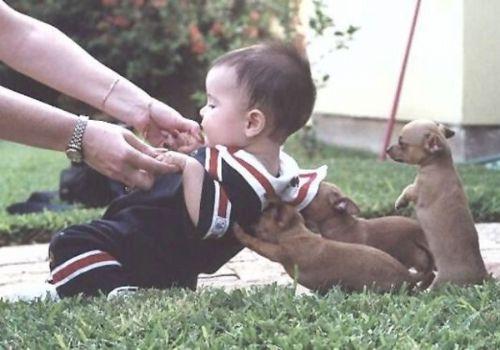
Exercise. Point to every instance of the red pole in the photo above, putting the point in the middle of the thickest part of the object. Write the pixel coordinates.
(395, 103)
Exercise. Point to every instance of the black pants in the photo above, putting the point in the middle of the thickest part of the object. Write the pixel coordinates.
(103, 255)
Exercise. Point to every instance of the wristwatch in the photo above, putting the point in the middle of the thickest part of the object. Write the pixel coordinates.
(74, 150)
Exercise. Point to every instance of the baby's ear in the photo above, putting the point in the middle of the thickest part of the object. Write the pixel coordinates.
(255, 122)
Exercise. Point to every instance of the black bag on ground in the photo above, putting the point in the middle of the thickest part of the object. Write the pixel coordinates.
(82, 184)
(79, 184)
(38, 202)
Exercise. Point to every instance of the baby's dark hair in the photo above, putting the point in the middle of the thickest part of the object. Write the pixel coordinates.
(277, 78)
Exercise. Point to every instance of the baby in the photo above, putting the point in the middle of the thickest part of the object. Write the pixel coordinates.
(165, 237)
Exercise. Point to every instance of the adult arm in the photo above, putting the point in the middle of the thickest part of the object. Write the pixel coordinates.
(63, 65)
(110, 149)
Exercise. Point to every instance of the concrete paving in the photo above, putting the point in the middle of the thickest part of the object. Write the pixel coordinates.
(23, 266)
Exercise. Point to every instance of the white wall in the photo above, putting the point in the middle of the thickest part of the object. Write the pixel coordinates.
(364, 77)
(482, 62)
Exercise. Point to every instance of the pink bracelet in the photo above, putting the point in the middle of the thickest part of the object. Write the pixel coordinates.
(110, 90)
(146, 130)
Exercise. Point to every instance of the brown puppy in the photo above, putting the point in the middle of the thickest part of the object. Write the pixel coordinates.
(334, 216)
(441, 205)
(318, 263)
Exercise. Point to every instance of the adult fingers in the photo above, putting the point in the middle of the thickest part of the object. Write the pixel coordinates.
(139, 145)
(154, 134)
(136, 178)
(120, 155)
(107, 150)
(167, 118)
(145, 160)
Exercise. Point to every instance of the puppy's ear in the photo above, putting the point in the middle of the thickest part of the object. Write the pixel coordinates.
(282, 214)
(333, 196)
(346, 205)
(447, 132)
(433, 144)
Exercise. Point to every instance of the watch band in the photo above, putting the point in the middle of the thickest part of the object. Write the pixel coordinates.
(76, 141)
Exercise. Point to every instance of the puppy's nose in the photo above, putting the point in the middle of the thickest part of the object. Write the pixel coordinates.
(388, 149)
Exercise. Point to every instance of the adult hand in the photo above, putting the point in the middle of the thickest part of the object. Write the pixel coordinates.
(117, 153)
(162, 123)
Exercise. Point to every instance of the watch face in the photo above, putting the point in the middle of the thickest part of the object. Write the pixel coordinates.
(74, 155)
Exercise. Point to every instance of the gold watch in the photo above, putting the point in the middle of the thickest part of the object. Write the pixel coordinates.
(74, 150)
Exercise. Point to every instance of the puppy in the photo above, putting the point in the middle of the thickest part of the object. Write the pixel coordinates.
(333, 214)
(318, 263)
(440, 203)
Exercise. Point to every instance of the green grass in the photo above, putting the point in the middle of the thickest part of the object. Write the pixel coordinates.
(23, 171)
(374, 185)
(267, 317)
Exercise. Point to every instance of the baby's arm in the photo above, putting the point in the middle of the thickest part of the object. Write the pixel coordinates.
(192, 179)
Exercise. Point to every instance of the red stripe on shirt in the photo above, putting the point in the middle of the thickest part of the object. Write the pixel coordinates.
(81, 263)
(213, 163)
(257, 174)
(305, 187)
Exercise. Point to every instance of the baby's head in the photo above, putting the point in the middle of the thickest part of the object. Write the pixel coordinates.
(260, 92)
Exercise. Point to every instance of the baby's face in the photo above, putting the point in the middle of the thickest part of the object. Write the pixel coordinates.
(224, 115)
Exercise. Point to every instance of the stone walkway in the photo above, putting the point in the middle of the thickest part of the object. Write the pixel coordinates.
(21, 266)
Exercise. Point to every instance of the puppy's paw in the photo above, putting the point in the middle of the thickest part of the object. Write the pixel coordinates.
(401, 203)
(237, 230)
(239, 233)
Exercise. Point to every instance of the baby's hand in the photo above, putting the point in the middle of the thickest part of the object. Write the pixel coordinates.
(175, 160)
(183, 142)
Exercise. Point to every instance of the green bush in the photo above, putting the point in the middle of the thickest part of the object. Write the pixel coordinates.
(165, 46)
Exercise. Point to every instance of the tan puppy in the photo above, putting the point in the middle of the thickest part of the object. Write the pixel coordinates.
(334, 216)
(318, 263)
(441, 205)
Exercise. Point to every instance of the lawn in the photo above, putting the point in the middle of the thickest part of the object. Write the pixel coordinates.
(268, 317)
(23, 171)
(374, 185)
(262, 318)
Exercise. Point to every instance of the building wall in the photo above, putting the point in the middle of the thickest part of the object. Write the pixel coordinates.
(481, 62)
(363, 78)
(453, 73)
